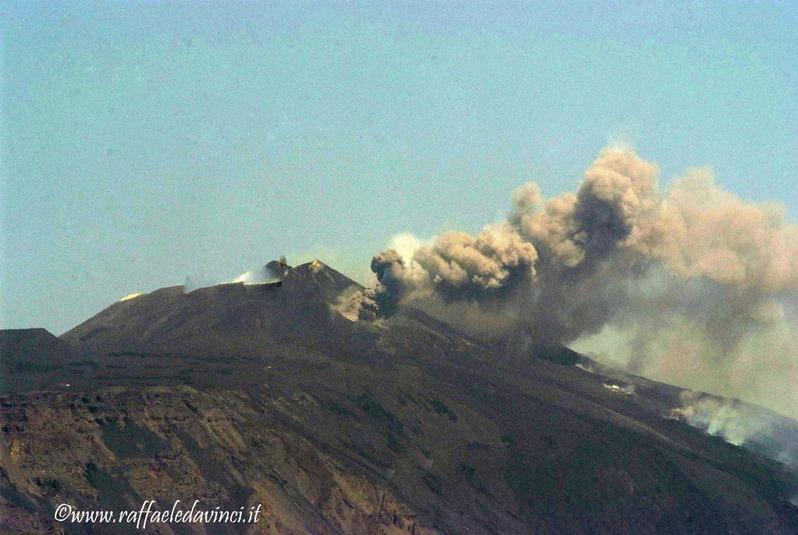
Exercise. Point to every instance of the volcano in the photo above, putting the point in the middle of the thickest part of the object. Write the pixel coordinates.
(242, 395)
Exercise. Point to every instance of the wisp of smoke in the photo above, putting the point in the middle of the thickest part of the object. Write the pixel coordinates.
(690, 284)
(259, 275)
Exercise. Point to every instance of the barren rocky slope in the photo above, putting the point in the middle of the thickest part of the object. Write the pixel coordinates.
(239, 395)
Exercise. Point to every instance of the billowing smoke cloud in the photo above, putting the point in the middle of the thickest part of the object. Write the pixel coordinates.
(689, 285)
(741, 424)
(735, 422)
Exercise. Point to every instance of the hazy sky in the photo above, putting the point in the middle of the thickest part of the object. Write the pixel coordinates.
(145, 142)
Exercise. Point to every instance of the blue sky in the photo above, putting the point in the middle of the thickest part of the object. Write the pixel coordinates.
(145, 142)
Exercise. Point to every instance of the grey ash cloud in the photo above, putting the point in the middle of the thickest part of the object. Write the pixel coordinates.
(688, 284)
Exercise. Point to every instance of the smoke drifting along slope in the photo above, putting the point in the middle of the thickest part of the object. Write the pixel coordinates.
(690, 285)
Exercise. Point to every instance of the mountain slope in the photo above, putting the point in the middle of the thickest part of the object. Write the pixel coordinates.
(34, 358)
(239, 395)
(223, 320)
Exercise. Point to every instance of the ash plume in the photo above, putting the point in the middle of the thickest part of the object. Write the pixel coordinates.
(687, 284)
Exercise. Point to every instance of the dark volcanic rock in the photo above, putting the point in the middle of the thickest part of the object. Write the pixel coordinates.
(35, 358)
(239, 395)
(225, 320)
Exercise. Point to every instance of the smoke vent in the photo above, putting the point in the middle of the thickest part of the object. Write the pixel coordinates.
(278, 268)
